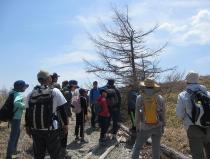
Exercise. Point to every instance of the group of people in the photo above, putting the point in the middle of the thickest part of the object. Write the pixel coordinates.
(49, 107)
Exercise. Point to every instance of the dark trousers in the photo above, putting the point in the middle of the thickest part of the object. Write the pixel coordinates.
(93, 115)
(47, 140)
(131, 113)
(64, 138)
(199, 141)
(14, 136)
(79, 124)
(115, 117)
(104, 125)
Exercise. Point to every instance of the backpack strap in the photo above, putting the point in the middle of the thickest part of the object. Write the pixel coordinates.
(190, 92)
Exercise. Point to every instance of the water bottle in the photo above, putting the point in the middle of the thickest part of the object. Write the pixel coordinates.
(55, 124)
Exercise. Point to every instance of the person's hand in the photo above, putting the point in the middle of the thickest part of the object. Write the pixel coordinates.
(65, 129)
(28, 132)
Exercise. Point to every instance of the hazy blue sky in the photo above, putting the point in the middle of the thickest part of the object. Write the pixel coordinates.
(52, 35)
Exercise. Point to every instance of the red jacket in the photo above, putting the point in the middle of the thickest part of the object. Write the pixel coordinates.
(104, 106)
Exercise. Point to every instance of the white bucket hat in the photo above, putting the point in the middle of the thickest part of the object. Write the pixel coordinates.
(192, 78)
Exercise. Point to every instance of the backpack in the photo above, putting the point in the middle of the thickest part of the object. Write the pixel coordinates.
(150, 109)
(68, 96)
(7, 111)
(97, 108)
(132, 99)
(112, 97)
(40, 111)
(200, 114)
(76, 104)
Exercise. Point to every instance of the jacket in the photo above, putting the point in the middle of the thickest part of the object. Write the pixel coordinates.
(94, 94)
(104, 107)
(19, 105)
(184, 105)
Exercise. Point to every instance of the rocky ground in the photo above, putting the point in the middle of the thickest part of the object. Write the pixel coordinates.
(77, 149)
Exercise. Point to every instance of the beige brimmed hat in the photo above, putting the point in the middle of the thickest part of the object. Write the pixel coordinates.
(43, 74)
(192, 78)
(149, 83)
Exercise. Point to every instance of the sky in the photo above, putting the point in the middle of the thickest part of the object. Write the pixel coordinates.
(52, 35)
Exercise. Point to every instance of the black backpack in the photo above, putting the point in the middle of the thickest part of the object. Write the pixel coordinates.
(40, 111)
(112, 97)
(68, 96)
(7, 111)
(200, 114)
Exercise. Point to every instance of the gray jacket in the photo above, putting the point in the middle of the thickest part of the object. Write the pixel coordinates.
(140, 124)
(184, 105)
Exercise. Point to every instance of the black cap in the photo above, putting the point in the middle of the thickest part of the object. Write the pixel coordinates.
(111, 81)
(73, 83)
(82, 91)
(20, 84)
(55, 75)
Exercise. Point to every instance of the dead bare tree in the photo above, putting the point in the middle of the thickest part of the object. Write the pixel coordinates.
(123, 52)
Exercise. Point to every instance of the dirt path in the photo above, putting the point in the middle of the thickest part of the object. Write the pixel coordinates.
(77, 150)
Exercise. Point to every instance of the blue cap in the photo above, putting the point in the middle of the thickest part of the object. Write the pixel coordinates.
(73, 83)
(20, 84)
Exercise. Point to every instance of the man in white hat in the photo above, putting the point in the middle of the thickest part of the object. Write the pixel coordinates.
(150, 118)
(198, 136)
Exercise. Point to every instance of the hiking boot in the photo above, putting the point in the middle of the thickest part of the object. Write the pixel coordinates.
(114, 137)
(68, 157)
(76, 139)
(93, 127)
(102, 142)
(82, 140)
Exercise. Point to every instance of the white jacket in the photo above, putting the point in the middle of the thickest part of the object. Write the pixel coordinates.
(184, 105)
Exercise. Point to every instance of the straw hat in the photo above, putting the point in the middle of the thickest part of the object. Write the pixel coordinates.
(149, 83)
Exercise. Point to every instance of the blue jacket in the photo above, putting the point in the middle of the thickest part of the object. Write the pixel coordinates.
(94, 94)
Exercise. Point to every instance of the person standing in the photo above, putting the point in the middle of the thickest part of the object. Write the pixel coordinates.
(103, 115)
(80, 116)
(132, 95)
(198, 135)
(150, 118)
(114, 102)
(45, 117)
(19, 87)
(55, 83)
(94, 94)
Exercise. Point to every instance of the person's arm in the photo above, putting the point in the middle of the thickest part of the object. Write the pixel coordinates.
(27, 116)
(119, 97)
(61, 110)
(60, 102)
(91, 96)
(137, 114)
(180, 108)
(19, 102)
